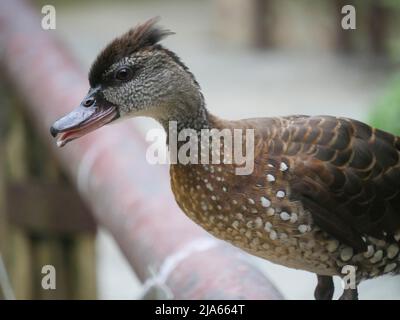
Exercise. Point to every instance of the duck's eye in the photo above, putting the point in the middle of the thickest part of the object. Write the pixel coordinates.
(124, 74)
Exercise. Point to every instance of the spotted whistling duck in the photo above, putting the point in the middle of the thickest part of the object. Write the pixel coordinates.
(324, 192)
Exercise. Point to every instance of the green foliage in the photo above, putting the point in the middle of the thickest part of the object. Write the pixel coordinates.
(395, 4)
(386, 115)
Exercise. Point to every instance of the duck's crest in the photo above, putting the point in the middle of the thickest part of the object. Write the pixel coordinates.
(142, 36)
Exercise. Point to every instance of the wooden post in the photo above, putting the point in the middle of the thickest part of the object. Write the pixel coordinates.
(3, 228)
(344, 40)
(17, 245)
(246, 22)
(378, 16)
(46, 221)
(263, 24)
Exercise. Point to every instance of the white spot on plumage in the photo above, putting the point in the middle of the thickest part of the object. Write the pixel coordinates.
(270, 178)
(370, 252)
(273, 235)
(332, 245)
(270, 212)
(224, 189)
(250, 224)
(235, 224)
(390, 267)
(283, 166)
(265, 202)
(209, 187)
(258, 222)
(280, 194)
(392, 251)
(284, 216)
(268, 226)
(346, 254)
(302, 228)
(293, 217)
(213, 198)
(251, 201)
(377, 256)
(397, 236)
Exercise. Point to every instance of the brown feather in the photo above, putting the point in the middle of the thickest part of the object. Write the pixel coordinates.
(358, 191)
(142, 36)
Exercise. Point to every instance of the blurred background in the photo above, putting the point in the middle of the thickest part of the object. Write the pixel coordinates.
(252, 58)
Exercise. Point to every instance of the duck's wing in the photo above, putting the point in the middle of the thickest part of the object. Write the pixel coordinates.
(344, 172)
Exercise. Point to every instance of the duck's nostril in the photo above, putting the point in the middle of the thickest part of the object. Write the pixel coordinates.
(88, 102)
(53, 131)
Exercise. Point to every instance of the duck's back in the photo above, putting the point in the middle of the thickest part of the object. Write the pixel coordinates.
(345, 173)
(324, 192)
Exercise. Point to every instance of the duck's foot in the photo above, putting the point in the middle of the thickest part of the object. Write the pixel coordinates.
(349, 294)
(325, 288)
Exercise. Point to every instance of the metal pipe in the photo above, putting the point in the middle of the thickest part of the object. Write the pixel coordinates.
(128, 196)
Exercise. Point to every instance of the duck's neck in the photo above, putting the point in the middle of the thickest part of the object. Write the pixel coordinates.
(186, 115)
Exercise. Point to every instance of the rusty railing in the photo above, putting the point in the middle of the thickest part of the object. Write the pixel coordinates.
(125, 194)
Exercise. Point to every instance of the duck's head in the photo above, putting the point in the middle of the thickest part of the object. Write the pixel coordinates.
(132, 76)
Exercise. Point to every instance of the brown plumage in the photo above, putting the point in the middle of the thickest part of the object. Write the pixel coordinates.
(340, 203)
(324, 193)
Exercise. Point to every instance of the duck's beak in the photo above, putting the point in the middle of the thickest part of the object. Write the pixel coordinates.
(93, 113)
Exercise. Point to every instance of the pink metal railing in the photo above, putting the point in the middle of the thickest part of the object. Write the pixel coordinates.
(129, 197)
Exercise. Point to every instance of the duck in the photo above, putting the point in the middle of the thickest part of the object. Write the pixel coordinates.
(323, 194)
